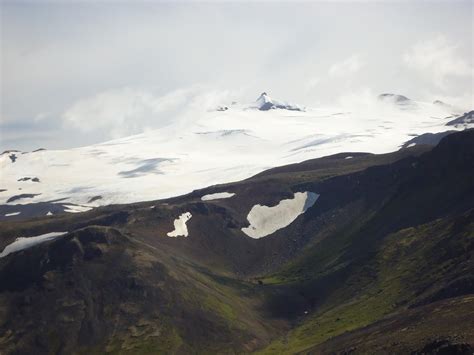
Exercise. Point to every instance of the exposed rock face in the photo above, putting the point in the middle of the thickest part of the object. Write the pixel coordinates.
(400, 101)
(21, 196)
(427, 138)
(464, 120)
(265, 103)
(395, 97)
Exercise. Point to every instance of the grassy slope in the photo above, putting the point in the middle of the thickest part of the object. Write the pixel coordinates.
(102, 291)
(409, 266)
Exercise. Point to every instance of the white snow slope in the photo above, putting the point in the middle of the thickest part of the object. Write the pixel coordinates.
(24, 243)
(266, 220)
(205, 149)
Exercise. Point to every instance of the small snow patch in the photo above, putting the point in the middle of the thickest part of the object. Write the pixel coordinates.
(76, 208)
(266, 220)
(411, 145)
(349, 157)
(217, 196)
(24, 243)
(49, 213)
(180, 228)
(12, 214)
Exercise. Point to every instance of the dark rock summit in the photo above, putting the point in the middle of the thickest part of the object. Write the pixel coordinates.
(265, 103)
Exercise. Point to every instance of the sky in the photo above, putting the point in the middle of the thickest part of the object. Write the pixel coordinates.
(80, 72)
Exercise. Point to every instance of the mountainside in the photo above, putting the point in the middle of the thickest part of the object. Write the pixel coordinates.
(464, 120)
(201, 149)
(350, 253)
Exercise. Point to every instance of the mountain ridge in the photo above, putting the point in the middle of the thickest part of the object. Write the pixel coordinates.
(388, 237)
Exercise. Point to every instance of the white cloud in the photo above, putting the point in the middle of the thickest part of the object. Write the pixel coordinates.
(312, 83)
(438, 59)
(51, 57)
(347, 67)
(127, 111)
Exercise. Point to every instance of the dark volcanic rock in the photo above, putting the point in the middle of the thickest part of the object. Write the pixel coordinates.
(94, 198)
(34, 179)
(467, 118)
(21, 196)
(401, 101)
(445, 347)
(396, 98)
(265, 103)
(427, 138)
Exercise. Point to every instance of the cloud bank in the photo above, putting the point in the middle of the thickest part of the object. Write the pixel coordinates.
(75, 73)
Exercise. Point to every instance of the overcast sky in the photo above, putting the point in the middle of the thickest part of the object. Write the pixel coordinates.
(74, 73)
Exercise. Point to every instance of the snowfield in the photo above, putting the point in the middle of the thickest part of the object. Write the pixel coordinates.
(180, 228)
(217, 196)
(208, 148)
(266, 220)
(24, 243)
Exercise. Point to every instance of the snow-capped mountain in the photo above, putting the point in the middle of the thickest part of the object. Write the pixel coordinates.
(400, 101)
(265, 103)
(209, 148)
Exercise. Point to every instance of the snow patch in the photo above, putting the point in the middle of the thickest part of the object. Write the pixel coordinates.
(49, 213)
(217, 196)
(180, 228)
(349, 157)
(411, 145)
(266, 220)
(12, 214)
(76, 208)
(24, 243)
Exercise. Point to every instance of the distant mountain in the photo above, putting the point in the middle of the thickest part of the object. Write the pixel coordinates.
(448, 108)
(442, 104)
(349, 253)
(398, 100)
(464, 120)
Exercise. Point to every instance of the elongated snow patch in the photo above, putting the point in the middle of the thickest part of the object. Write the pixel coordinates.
(217, 196)
(12, 214)
(76, 208)
(24, 243)
(180, 228)
(266, 220)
